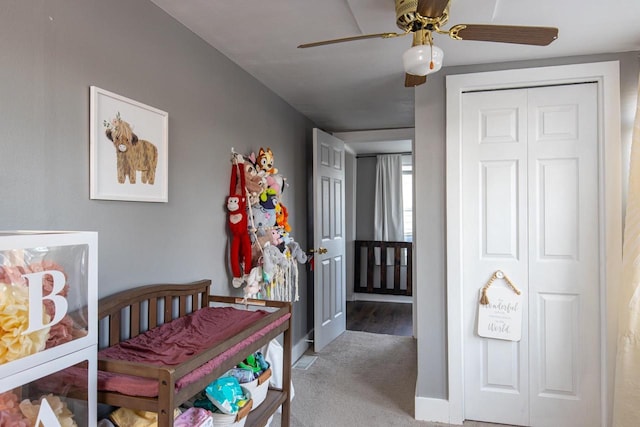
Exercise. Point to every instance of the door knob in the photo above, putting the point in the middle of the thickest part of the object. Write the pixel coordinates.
(320, 250)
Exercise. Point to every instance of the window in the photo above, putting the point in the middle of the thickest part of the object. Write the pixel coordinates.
(407, 201)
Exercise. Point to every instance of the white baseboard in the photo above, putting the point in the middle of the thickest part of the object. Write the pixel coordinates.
(299, 348)
(433, 410)
(381, 298)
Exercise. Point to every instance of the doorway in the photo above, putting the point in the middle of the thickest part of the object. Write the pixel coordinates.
(534, 352)
(371, 312)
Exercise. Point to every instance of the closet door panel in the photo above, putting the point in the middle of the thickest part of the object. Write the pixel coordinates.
(499, 185)
(495, 238)
(564, 256)
(558, 210)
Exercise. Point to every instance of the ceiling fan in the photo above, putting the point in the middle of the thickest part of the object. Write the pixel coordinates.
(422, 18)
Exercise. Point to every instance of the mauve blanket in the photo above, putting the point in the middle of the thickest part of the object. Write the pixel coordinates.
(176, 341)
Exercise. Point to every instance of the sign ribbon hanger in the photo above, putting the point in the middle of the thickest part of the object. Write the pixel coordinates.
(484, 299)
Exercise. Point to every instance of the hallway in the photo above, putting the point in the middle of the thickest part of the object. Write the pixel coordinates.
(380, 317)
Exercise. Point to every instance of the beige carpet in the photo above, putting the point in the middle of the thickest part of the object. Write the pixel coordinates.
(360, 379)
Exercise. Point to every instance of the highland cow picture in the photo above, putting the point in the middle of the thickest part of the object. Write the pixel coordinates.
(129, 147)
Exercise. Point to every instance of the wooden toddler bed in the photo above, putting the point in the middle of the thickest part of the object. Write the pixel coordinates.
(167, 342)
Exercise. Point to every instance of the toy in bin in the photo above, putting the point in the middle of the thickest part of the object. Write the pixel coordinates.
(253, 374)
(255, 363)
(226, 394)
(194, 417)
(219, 417)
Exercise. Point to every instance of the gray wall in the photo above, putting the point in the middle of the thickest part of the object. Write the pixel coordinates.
(51, 52)
(429, 207)
(365, 198)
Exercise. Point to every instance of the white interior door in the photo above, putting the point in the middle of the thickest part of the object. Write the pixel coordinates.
(329, 239)
(530, 208)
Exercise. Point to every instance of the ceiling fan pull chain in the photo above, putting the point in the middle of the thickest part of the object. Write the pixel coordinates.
(430, 38)
(431, 64)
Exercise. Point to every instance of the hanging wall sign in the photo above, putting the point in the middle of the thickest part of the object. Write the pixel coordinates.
(500, 311)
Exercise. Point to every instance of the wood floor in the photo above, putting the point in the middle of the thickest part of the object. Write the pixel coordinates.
(380, 317)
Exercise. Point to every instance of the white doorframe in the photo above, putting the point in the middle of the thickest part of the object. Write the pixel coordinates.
(606, 75)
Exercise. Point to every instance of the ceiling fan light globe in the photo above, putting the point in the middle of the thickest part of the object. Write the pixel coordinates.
(418, 60)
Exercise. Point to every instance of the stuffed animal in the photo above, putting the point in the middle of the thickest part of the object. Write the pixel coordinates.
(286, 238)
(276, 239)
(252, 288)
(296, 252)
(282, 217)
(259, 242)
(263, 218)
(271, 258)
(269, 199)
(264, 161)
(238, 223)
(256, 182)
(277, 182)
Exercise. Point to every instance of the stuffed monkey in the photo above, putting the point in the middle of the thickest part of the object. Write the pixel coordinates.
(240, 243)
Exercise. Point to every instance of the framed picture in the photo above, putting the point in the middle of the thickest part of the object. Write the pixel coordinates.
(129, 149)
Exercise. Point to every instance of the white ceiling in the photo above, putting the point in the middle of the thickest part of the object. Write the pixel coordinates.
(360, 85)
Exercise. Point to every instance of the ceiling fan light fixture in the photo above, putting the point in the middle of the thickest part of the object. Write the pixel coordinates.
(422, 60)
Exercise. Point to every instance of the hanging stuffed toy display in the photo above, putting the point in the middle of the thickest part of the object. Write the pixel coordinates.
(262, 226)
(237, 220)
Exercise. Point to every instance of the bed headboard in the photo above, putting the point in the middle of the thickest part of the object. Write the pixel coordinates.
(126, 314)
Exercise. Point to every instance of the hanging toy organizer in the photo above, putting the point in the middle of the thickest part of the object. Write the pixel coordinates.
(264, 256)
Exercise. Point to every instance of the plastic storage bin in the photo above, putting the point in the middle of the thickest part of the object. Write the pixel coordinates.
(21, 396)
(48, 323)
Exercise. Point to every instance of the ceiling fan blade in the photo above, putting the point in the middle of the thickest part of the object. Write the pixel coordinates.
(410, 80)
(432, 8)
(539, 36)
(354, 38)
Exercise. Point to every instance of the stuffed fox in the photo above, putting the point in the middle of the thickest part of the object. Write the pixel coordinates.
(264, 161)
(282, 217)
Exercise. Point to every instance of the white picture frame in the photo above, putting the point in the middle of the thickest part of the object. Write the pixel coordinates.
(134, 167)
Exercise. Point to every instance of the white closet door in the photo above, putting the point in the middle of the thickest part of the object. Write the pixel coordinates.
(564, 331)
(530, 209)
(494, 179)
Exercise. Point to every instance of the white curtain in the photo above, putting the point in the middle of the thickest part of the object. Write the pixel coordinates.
(626, 405)
(388, 211)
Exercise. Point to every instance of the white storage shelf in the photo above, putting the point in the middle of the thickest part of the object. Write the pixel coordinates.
(48, 320)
